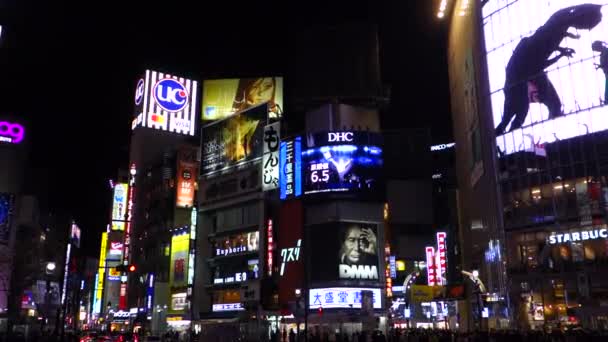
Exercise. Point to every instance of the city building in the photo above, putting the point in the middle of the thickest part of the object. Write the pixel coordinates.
(529, 130)
(160, 202)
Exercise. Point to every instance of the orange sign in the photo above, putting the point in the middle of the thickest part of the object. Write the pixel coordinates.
(187, 172)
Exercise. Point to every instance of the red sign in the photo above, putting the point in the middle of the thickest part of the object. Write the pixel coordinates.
(289, 255)
(442, 263)
(430, 265)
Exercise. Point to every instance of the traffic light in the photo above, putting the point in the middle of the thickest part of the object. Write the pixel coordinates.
(125, 268)
(320, 311)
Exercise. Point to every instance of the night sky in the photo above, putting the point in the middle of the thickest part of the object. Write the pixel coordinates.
(68, 70)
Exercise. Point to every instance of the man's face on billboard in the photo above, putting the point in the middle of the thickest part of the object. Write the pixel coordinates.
(352, 250)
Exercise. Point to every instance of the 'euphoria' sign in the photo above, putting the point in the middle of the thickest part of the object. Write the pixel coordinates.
(578, 236)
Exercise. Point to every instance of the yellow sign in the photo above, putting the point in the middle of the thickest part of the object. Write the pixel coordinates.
(176, 318)
(400, 265)
(117, 225)
(178, 268)
(102, 266)
(224, 97)
(424, 293)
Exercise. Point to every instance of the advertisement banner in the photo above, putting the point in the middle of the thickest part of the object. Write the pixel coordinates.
(180, 245)
(7, 203)
(224, 97)
(233, 141)
(547, 73)
(187, 171)
(343, 298)
(290, 168)
(270, 161)
(343, 162)
(100, 273)
(119, 203)
(344, 251)
(166, 102)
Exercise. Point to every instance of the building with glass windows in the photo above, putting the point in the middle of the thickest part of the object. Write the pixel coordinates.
(529, 107)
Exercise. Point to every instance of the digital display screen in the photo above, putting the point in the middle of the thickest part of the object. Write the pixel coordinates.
(344, 251)
(224, 97)
(342, 162)
(233, 141)
(548, 67)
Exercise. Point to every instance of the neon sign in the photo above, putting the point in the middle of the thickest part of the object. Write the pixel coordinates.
(11, 132)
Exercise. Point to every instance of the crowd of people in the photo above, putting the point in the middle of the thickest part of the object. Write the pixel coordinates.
(428, 335)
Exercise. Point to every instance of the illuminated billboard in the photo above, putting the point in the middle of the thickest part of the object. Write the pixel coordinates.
(342, 297)
(344, 251)
(290, 168)
(187, 171)
(119, 203)
(11, 132)
(233, 141)
(224, 97)
(166, 102)
(100, 273)
(342, 162)
(547, 66)
(180, 247)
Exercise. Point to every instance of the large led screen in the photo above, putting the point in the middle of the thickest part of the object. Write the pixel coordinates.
(224, 97)
(344, 251)
(233, 141)
(342, 162)
(547, 65)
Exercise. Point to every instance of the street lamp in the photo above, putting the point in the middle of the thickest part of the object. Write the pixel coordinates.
(50, 267)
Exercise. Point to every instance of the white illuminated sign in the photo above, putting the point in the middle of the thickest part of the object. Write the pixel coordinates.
(227, 307)
(442, 147)
(341, 297)
(289, 255)
(236, 278)
(230, 250)
(340, 136)
(169, 103)
(270, 159)
(584, 235)
(543, 81)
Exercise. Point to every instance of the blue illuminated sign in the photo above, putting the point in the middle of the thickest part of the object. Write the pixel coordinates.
(290, 168)
(170, 95)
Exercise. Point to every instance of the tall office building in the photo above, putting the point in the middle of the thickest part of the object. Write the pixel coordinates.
(529, 112)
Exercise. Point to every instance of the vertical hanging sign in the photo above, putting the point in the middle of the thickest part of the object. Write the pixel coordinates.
(270, 247)
(430, 265)
(270, 159)
(442, 263)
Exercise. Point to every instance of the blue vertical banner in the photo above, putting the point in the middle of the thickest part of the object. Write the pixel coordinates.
(290, 168)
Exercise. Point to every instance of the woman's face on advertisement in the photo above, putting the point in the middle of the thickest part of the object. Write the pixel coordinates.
(261, 91)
